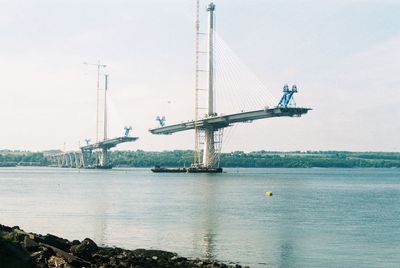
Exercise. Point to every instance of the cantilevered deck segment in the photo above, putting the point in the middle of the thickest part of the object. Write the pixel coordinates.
(226, 120)
(108, 144)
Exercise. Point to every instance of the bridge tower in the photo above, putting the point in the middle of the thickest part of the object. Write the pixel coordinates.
(209, 154)
(104, 152)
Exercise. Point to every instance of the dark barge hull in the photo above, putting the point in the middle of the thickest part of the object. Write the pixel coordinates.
(204, 170)
(168, 170)
(99, 167)
(186, 170)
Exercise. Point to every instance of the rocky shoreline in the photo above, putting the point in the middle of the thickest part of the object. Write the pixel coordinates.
(22, 249)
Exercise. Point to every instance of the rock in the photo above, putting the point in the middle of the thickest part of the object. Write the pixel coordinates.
(19, 234)
(85, 249)
(13, 255)
(100, 258)
(69, 258)
(5, 228)
(30, 244)
(143, 253)
(75, 242)
(36, 238)
(20, 249)
(56, 241)
(36, 254)
(41, 265)
(113, 261)
(56, 261)
(174, 258)
(32, 236)
(42, 255)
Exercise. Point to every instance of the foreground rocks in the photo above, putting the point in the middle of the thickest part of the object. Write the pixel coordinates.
(21, 249)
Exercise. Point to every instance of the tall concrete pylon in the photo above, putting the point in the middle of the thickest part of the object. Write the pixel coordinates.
(209, 158)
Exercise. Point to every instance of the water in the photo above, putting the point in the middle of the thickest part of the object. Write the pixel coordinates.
(316, 217)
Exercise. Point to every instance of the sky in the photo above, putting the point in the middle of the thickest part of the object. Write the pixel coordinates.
(344, 57)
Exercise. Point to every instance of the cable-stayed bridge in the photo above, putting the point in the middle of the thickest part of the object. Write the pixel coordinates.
(94, 155)
(209, 128)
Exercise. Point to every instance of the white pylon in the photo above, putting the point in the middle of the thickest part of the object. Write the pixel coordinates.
(209, 159)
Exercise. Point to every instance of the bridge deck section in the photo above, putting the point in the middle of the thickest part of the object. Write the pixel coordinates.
(222, 121)
(108, 144)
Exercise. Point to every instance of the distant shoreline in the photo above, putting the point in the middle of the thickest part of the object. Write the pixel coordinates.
(238, 159)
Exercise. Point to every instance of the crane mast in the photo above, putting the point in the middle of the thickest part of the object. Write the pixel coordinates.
(197, 132)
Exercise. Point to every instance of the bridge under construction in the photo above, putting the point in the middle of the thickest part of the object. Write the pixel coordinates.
(90, 156)
(94, 155)
(209, 129)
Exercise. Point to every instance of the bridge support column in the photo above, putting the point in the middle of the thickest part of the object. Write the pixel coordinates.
(64, 160)
(78, 163)
(86, 158)
(209, 159)
(71, 160)
(104, 157)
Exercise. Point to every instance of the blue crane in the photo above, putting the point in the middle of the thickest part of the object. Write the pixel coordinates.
(287, 98)
(161, 120)
(127, 130)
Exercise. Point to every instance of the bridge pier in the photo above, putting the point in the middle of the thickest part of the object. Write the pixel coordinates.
(77, 160)
(209, 159)
(71, 160)
(104, 158)
(65, 160)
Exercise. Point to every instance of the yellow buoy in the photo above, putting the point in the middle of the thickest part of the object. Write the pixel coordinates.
(268, 193)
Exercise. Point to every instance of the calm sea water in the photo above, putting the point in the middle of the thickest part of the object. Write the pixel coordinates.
(315, 218)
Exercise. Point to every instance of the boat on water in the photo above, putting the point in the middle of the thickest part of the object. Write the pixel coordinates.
(158, 169)
(200, 169)
(192, 169)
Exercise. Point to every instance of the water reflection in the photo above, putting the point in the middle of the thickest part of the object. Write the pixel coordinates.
(100, 219)
(289, 234)
(204, 234)
(286, 255)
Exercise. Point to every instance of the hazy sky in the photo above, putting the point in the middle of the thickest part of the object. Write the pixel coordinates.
(343, 55)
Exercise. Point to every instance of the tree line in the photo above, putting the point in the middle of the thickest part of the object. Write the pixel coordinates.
(258, 159)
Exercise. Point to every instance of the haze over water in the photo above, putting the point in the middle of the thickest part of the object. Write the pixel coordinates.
(316, 217)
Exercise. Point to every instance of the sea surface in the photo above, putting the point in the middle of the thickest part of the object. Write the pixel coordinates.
(315, 218)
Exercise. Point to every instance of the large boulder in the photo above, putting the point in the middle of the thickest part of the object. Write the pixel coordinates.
(30, 244)
(150, 253)
(69, 258)
(5, 228)
(57, 242)
(13, 255)
(85, 249)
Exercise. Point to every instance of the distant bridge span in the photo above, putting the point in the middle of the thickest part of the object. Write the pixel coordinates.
(85, 158)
